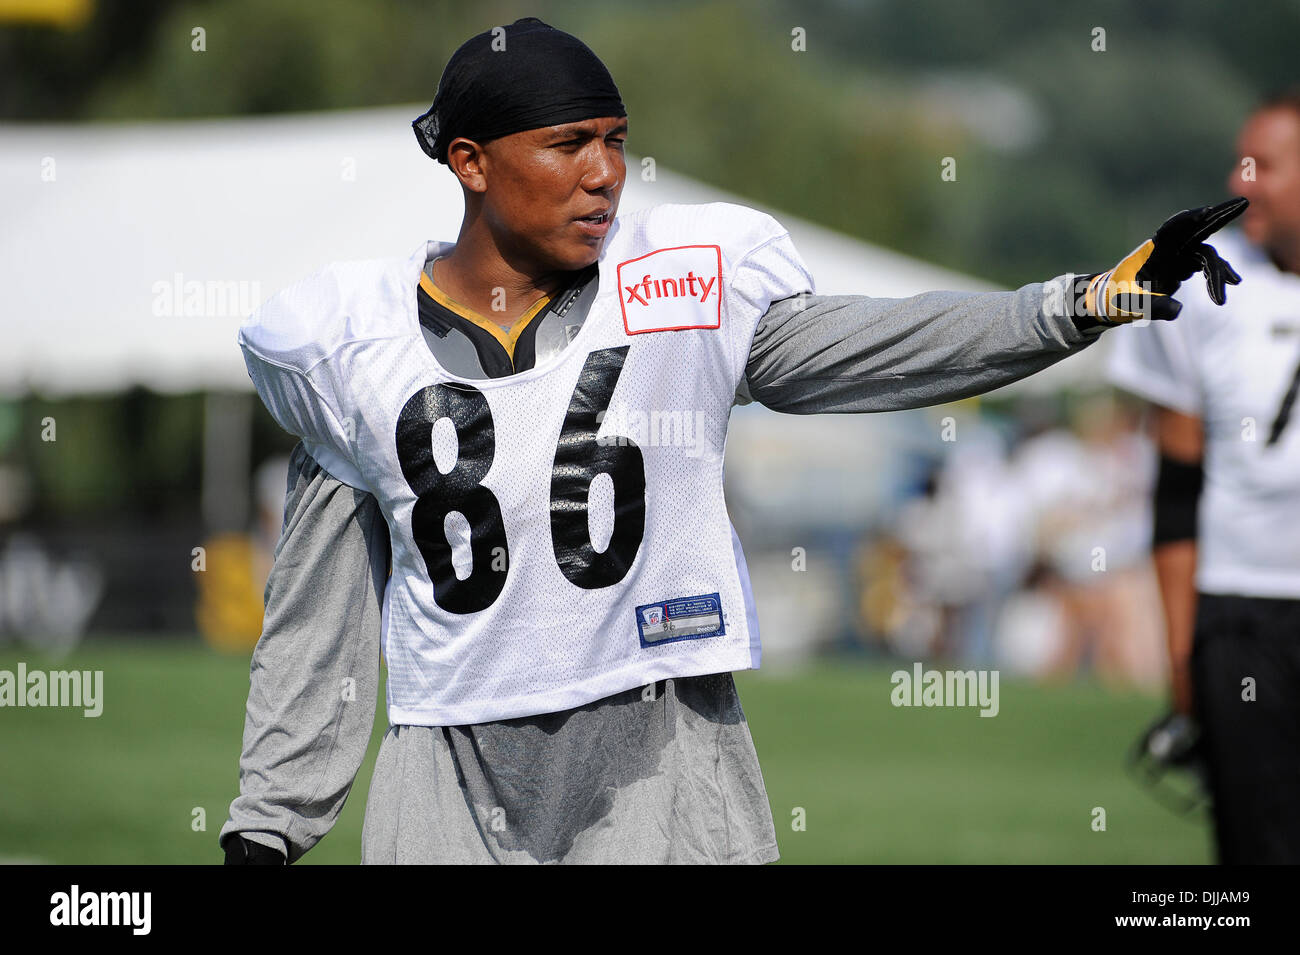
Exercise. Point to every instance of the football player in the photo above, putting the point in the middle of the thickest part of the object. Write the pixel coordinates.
(1227, 532)
(511, 474)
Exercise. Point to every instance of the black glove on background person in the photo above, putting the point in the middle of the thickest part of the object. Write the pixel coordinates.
(241, 851)
(1173, 742)
(1140, 286)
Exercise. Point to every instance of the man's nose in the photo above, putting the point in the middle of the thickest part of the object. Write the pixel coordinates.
(602, 173)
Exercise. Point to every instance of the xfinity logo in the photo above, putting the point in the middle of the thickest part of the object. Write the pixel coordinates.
(667, 288)
(672, 289)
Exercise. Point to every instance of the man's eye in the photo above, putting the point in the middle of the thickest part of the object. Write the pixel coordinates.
(618, 142)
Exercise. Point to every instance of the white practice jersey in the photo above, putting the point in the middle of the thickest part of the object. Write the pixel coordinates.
(1233, 367)
(558, 535)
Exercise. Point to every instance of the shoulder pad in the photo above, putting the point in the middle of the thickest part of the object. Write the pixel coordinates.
(308, 321)
(735, 228)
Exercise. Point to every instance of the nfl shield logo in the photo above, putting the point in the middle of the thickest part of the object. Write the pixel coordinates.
(653, 616)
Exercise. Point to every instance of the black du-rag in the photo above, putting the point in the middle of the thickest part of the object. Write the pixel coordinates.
(523, 76)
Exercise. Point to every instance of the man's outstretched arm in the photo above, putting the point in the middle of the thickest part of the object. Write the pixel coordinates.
(314, 676)
(854, 353)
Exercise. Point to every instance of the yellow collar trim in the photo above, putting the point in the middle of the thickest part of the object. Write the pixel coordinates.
(507, 339)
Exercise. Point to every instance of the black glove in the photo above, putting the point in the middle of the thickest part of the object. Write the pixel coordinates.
(1172, 743)
(1140, 286)
(241, 851)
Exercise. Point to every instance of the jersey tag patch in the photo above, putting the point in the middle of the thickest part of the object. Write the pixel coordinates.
(680, 618)
(671, 289)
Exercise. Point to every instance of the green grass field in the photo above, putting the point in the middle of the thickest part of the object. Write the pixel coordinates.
(874, 783)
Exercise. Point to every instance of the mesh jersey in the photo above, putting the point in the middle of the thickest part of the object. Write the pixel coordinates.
(558, 535)
(1234, 367)
(469, 345)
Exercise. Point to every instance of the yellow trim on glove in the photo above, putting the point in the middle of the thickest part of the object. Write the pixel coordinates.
(1103, 290)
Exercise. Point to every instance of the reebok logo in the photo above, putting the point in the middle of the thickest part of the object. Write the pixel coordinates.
(672, 289)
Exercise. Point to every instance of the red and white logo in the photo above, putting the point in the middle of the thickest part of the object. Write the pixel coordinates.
(670, 289)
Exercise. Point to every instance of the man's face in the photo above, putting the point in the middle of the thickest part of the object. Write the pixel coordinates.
(1271, 138)
(541, 183)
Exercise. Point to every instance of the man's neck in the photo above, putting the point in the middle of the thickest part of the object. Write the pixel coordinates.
(484, 280)
(1285, 255)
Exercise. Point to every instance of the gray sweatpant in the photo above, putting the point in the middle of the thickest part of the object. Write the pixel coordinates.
(663, 774)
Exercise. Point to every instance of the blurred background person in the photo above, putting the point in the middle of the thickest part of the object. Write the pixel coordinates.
(1222, 389)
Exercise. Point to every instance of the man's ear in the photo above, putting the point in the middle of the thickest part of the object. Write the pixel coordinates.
(468, 160)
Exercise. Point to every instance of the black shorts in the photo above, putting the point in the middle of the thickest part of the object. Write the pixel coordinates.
(1252, 747)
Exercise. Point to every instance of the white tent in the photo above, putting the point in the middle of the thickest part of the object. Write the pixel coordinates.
(130, 252)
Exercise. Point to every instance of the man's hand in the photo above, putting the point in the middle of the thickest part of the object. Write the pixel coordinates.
(1141, 285)
(241, 851)
(1173, 742)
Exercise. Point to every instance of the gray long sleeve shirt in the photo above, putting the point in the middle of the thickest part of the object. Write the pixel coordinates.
(314, 673)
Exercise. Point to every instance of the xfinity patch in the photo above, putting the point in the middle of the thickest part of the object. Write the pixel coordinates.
(681, 618)
(672, 289)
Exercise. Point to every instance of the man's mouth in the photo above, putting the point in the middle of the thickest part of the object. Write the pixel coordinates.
(596, 219)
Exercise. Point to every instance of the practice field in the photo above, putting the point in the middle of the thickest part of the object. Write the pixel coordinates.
(851, 777)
